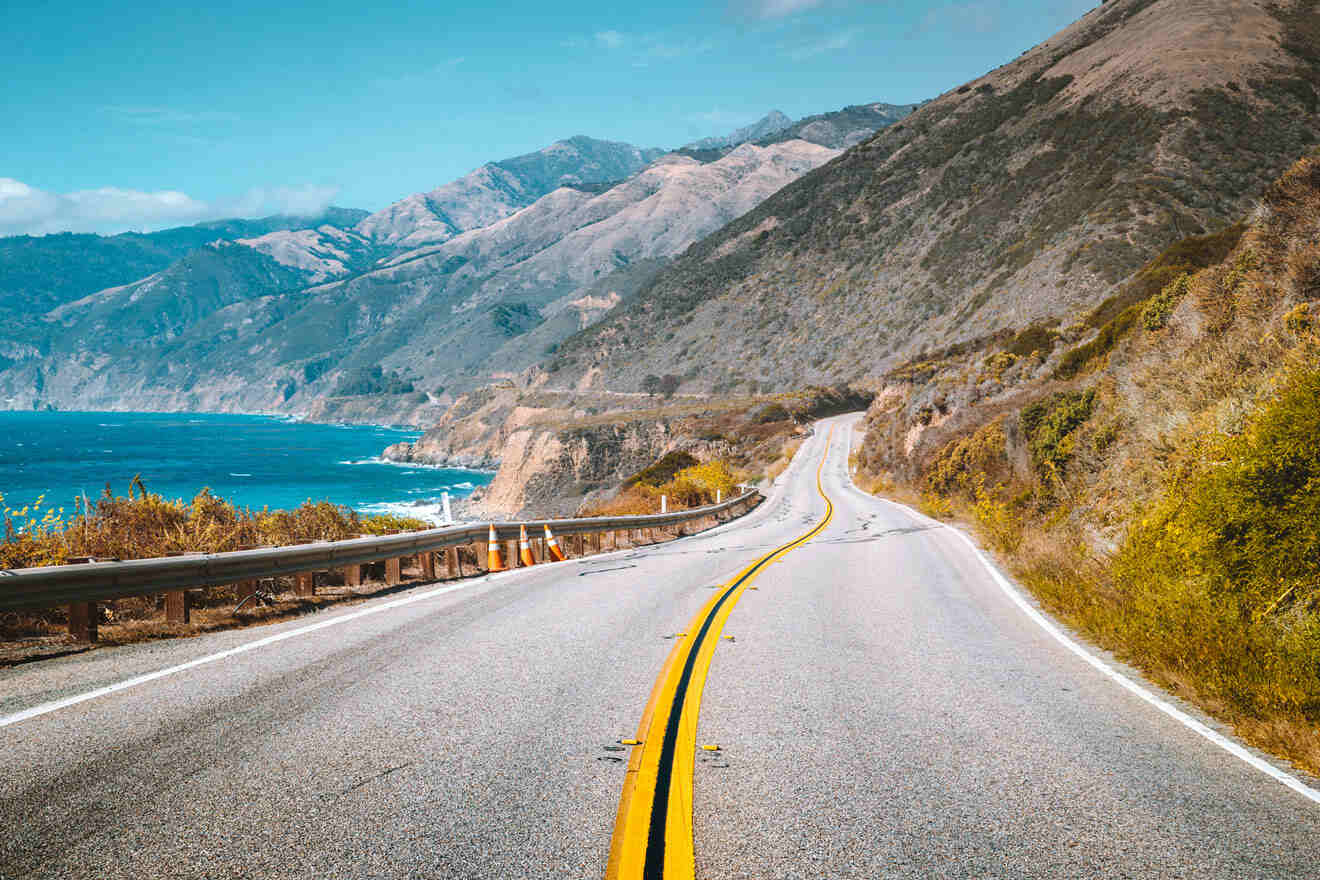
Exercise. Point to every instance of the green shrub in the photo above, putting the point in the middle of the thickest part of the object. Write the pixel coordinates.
(1248, 521)
(663, 470)
(1184, 257)
(1155, 314)
(1035, 338)
(997, 364)
(771, 412)
(1298, 321)
(1076, 359)
(1049, 426)
(957, 466)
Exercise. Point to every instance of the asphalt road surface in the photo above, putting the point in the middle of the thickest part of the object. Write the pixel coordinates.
(884, 709)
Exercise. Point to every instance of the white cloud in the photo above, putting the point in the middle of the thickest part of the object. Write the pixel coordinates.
(27, 210)
(610, 39)
(831, 43)
(774, 8)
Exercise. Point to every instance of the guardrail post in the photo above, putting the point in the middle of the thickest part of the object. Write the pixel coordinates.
(304, 582)
(427, 561)
(394, 571)
(483, 555)
(178, 606)
(82, 615)
(82, 621)
(511, 554)
(597, 539)
(246, 589)
(353, 575)
(453, 562)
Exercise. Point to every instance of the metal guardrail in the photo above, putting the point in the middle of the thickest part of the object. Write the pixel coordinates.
(100, 581)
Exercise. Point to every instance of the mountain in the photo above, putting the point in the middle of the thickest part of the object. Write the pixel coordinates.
(40, 272)
(481, 304)
(840, 129)
(1027, 195)
(498, 189)
(770, 124)
(407, 289)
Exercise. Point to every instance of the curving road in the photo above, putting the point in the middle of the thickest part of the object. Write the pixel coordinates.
(884, 709)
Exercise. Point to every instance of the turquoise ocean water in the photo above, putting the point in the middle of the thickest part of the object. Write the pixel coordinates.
(254, 461)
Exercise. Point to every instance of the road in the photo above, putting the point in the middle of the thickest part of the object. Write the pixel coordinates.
(883, 709)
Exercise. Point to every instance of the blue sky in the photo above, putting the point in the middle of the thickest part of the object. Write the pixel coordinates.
(147, 115)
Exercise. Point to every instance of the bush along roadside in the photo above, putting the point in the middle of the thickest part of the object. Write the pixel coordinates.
(144, 525)
(1165, 500)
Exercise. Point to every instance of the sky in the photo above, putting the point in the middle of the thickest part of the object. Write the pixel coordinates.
(149, 115)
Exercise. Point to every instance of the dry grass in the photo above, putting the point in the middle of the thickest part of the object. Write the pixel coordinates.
(1173, 518)
(25, 637)
(780, 464)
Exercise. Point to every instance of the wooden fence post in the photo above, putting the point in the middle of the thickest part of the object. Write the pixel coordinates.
(394, 571)
(453, 562)
(427, 560)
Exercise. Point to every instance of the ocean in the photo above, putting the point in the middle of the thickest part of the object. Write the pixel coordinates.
(253, 461)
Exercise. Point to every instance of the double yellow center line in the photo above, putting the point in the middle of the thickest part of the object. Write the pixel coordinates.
(653, 829)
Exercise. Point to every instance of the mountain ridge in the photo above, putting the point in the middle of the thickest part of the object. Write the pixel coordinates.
(449, 310)
(1025, 195)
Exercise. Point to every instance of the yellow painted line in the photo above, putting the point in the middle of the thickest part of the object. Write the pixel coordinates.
(653, 827)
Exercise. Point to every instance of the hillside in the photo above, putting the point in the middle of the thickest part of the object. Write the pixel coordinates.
(1151, 474)
(40, 272)
(498, 189)
(1026, 195)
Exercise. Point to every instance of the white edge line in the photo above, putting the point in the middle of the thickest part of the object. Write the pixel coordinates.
(337, 620)
(1122, 680)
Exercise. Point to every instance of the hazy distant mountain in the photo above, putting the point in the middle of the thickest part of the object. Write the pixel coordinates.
(1029, 194)
(838, 130)
(40, 272)
(450, 288)
(449, 314)
(497, 189)
(772, 123)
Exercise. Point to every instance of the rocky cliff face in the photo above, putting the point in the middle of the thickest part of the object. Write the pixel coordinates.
(1026, 195)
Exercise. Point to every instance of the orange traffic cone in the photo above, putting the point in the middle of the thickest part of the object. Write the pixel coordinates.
(494, 562)
(524, 549)
(553, 546)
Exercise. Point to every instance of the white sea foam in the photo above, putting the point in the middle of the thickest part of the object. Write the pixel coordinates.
(240, 475)
(463, 486)
(432, 512)
(415, 466)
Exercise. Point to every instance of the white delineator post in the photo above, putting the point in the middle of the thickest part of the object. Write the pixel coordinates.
(664, 503)
(718, 496)
(449, 514)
